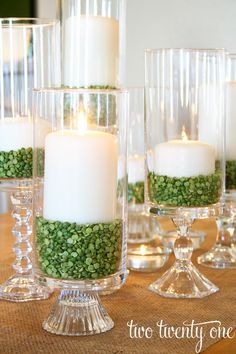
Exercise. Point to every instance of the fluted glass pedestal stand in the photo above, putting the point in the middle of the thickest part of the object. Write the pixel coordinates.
(183, 279)
(78, 313)
(22, 286)
(221, 255)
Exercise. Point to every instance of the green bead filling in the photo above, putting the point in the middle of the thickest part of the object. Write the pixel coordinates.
(231, 174)
(16, 163)
(40, 153)
(185, 191)
(74, 251)
(136, 192)
(19, 163)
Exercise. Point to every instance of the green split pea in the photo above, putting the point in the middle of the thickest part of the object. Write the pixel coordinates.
(73, 251)
(16, 163)
(231, 174)
(185, 191)
(19, 163)
(136, 192)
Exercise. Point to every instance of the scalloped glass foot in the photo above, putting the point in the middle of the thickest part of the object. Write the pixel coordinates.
(183, 280)
(77, 313)
(20, 288)
(219, 257)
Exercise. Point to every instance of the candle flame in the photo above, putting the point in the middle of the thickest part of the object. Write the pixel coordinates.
(82, 123)
(183, 134)
(142, 250)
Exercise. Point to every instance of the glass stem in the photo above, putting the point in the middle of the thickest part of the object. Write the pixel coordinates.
(22, 230)
(223, 237)
(183, 246)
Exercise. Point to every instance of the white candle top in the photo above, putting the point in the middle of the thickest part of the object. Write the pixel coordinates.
(136, 169)
(184, 158)
(17, 133)
(91, 51)
(80, 179)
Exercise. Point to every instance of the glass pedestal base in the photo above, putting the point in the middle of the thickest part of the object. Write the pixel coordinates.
(183, 280)
(219, 256)
(78, 313)
(20, 288)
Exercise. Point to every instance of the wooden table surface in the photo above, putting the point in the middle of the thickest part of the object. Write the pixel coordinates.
(224, 346)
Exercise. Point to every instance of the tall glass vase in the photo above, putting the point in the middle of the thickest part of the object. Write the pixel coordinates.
(29, 57)
(93, 43)
(80, 204)
(143, 244)
(184, 154)
(222, 255)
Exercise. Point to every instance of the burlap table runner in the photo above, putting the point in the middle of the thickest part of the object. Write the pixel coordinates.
(21, 331)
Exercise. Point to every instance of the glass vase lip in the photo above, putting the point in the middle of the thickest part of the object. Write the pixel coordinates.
(202, 50)
(231, 55)
(68, 90)
(133, 88)
(28, 21)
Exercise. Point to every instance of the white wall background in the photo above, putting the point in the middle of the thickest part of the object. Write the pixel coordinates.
(46, 8)
(170, 23)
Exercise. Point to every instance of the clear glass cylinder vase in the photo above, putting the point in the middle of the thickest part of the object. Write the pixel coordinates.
(185, 128)
(143, 243)
(93, 43)
(184, 151)
(222, 254)
(139, 227)
(80, 196)
(29, 58)
(230, 178)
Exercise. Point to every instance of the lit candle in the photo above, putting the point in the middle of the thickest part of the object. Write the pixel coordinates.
(146, 258)
(231, 121)
(184, 158)
(91, 48)
(17, 133)
(80, 176)
(136, 172)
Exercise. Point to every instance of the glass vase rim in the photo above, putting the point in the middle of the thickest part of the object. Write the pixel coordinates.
(201, 50)
(129, 88)
(28, 21)
(231, 54)
(68, 90)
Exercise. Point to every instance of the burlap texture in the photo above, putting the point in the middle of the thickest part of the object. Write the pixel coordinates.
(21, 331)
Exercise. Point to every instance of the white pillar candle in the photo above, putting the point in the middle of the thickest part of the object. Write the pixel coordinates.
(17, 133)
(136, 170)
(184, 158)
(231, 121)
(80, 176)
(91, 48)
